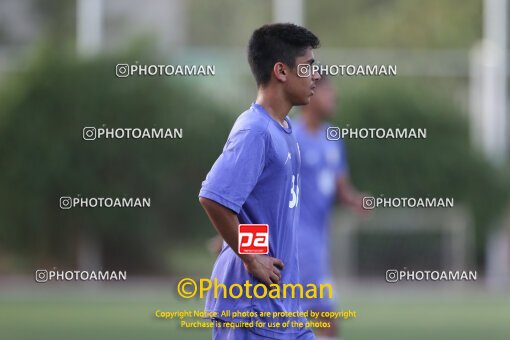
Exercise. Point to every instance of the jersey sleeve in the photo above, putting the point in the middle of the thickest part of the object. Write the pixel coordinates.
(236, 172)
(342, 166)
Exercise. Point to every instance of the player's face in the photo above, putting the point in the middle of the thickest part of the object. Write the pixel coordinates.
(324, 100)
(300, 86)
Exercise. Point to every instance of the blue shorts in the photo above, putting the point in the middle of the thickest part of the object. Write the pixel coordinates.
(248, 334)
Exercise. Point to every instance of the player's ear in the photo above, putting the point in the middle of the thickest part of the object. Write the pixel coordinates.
(280, 71)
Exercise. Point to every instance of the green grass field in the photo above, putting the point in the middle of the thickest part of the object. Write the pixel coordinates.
(128, 313)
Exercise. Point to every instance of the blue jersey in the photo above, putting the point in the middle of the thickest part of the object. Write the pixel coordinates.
(257, 177)
(323, 162)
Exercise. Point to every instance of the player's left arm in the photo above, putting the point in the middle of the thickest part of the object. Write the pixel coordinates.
(347, 194)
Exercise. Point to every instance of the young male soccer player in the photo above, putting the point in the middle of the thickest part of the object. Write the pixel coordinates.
(256, 181)
(324, 177)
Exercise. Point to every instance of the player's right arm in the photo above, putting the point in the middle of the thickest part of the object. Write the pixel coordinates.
(226, 188)
(263, 267)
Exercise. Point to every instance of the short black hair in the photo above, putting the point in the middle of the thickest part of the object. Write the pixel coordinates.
(274, 43)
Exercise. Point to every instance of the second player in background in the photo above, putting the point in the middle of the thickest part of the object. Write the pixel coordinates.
(324, 180)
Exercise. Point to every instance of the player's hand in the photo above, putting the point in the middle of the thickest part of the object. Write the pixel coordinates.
(358, 204)
(265, 268)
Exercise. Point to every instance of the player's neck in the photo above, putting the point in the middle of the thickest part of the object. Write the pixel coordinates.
(312, 123)
(275, 104)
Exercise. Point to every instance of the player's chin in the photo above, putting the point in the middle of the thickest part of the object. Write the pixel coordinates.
(305, 100)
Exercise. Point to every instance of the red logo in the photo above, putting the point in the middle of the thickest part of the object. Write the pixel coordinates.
(253, 239)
